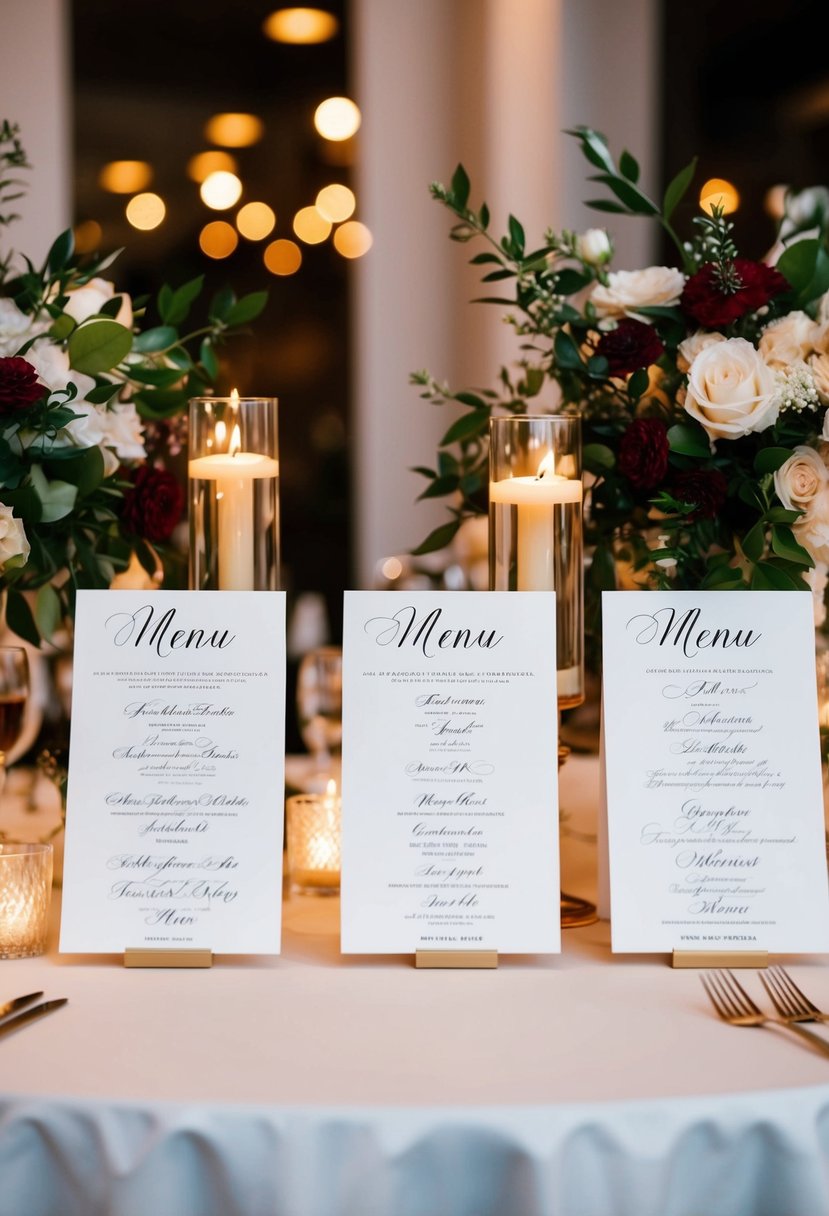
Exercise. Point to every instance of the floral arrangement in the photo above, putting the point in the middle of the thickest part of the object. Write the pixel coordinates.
(92, 409)
(703, 389)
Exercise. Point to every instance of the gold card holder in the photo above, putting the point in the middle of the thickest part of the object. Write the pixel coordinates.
(137, 956)
(756, 959)
(471, 959)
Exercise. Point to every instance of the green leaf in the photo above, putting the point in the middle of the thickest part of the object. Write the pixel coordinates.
(633, 199)
(569, 281)
(19, 618)
(688, 440)
(438, 539)
(606, 204)
(597, 458)
(61, 251)
(722, 578)
(769, 577)
(602, 572)
(676, 189)
(779, 515)
(208, 358)
(177, 306)
(472, 399)
(57, 498)
(156, 377)
(47, 610)
(566, 353)
(156, 339)
(784, 545)
(797, 263)
(495, 276)
(598, 367)
(159, 402)
(102, 393)
(221, 304)
(440, 487)
(460, 188)
(98, 346)
(164, 302)
(475, 423)
(484, 259)
(247, 309)
(534, 380)
(637, 383)
(61, 327)
(629, 167)
(769, 460)
(754, 542)
(516, 232)
(84, 470)
(594, 147)
(110, 308)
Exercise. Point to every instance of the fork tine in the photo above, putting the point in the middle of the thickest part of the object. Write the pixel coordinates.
(777, 997)
(786, 980)
(713, 996)
(726, 999)
(740, 995)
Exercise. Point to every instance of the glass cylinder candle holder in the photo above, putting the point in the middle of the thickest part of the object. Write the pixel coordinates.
(25, 896)
(233, 476)
(313, 837)
(535, 527)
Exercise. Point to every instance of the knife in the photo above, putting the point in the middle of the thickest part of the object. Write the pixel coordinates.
(18, 1003)
(29, 1015)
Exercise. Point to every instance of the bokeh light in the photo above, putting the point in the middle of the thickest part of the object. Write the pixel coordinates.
(336, 203)
(300, 26)
(145, 211)
(282, 257)
(256, 220)
(720, 193)
(352, 239)
(203, 164)
(234, 130)
(218, 239)
(221, 190)
(125, 176)
(310, 226)
(337, 118)
(87, 234)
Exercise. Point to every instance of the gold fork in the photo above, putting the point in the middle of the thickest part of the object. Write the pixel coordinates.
(788, 1000)
(735, 1006)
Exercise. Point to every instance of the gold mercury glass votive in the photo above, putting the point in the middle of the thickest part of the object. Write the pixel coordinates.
(313, 836)
(25, 895)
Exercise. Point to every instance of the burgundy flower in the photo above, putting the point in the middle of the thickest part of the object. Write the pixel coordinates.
(705, 302)
(19, 386)
(643, 453)
(707, 488)
(153, 506)
(629, 347)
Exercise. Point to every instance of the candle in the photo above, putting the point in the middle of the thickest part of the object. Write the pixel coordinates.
(234, 473)
(25, 895)
(313, 829)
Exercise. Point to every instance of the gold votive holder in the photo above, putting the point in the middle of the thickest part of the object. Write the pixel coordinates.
(312, 824)
(25, 896)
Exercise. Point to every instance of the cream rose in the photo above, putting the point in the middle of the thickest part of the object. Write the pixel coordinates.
(52, 367)
(802, 484)
(86, 301)
(689, 348)
(14, 544)
(788, 340)
(594, 246)
(731, 391)
(628, 290)
(16, 328)
(123, 431)
(819, 367)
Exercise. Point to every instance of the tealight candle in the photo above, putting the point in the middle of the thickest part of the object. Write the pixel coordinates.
(25, 896)
(313, 836)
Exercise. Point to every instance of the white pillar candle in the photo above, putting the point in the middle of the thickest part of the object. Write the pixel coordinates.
(234, 473)
(536, 499)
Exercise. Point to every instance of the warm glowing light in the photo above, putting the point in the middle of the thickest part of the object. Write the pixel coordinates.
(87, 236)
(220, 190)
(125, 176)
(720, 193)
(547, 466)
(256, 221)
(310, 226)
(353, 239)
(145, 211)
(234, 130)
(300, 26)
(203, 164)
(283, 257)
(337, 118)
(218, 239)
(336, 203)
(392, 568)
(775, 201)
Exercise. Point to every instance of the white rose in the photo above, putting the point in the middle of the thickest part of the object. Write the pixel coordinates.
(87, 430)
(124, 432)
(689, 348)
(16, 328)
(628, 290)
(731, 391)
(788, 340)
(87, 301)
(819, 366)
(594, 246)
(52, 366)
(14, 545)
(802, 484)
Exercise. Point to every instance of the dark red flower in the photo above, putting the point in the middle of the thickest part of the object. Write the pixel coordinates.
(707, 488)
(630, 346)
(643, 453)
(19, 386)
(153, 505)
(705, 302)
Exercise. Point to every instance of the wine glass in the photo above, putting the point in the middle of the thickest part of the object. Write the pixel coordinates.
(14, 692)
(319, 703)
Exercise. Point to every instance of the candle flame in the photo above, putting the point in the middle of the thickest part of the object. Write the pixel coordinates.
(548, 465)
(234, 399)
(235, 440)
(331, 787)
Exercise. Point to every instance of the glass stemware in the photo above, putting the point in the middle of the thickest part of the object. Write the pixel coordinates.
(319, 704)
(14, 693)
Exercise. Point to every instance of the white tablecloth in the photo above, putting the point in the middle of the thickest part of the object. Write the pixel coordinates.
(315, 1085)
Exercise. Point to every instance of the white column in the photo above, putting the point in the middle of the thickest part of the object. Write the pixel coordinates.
(35, 93)
(493, 84)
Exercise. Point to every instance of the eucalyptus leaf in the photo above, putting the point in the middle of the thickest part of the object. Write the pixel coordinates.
(688, 440)
(98, 346)
(247, 309)
(154, 340)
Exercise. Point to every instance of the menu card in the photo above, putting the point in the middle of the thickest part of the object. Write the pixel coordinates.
(176, 772)
(450, 772)
(714, 791)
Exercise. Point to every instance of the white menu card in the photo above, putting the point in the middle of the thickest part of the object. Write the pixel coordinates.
(176, 773)
(450, 772)
(714, 791)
